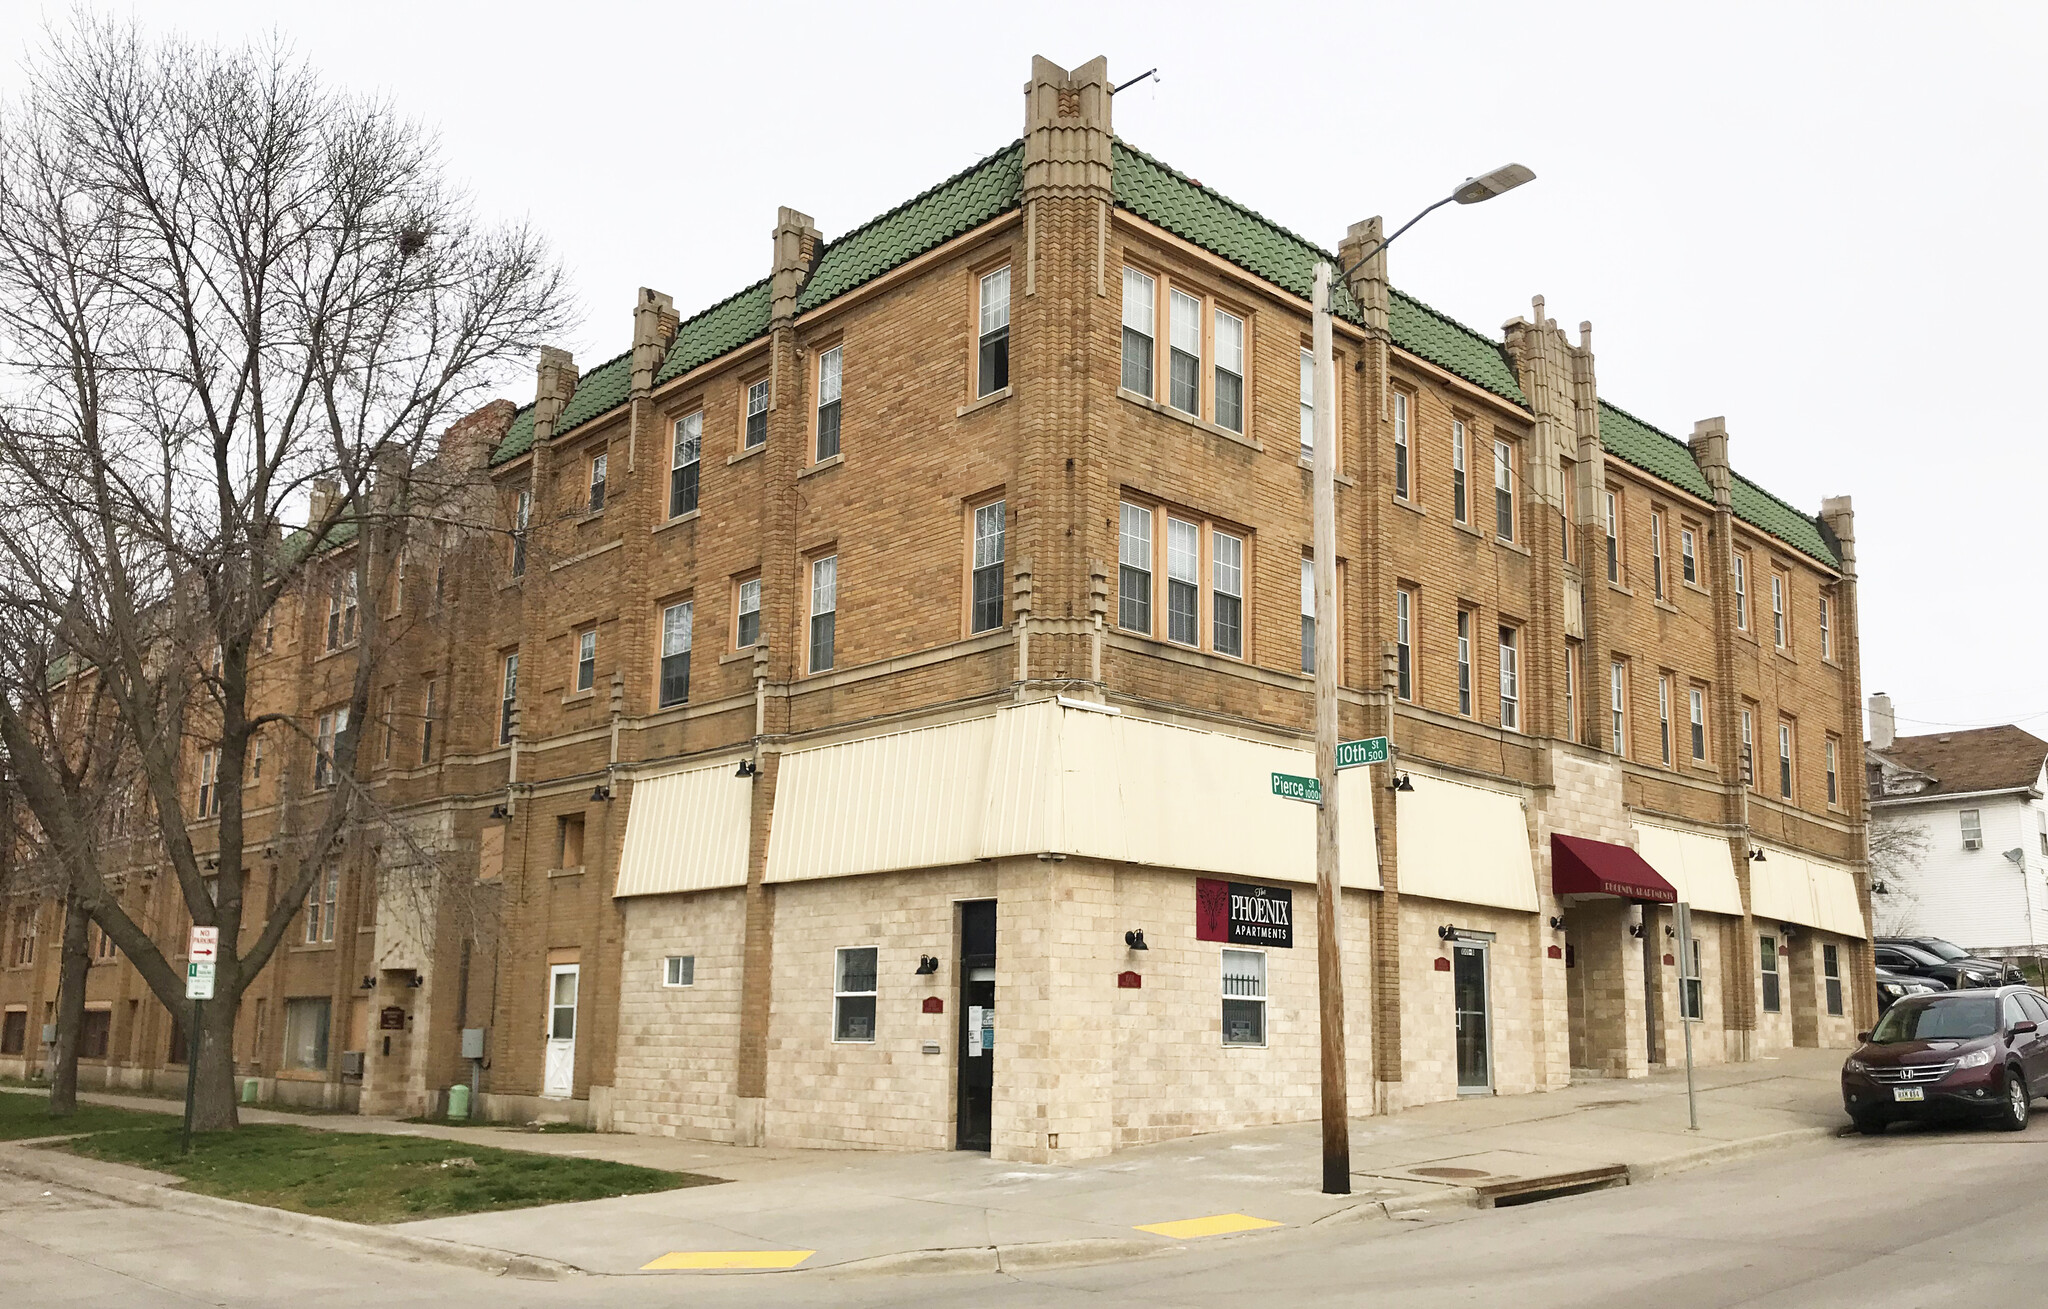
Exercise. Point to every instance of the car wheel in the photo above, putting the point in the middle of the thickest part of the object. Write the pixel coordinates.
(2018, 1102)
(1869, 1124)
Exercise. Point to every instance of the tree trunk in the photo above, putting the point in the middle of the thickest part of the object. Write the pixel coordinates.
(213, 1045)
(72, 966)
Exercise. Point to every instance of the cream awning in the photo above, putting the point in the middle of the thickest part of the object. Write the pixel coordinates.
(1465, 844)
(1701, 867)
(1794, 888)
(686, 831)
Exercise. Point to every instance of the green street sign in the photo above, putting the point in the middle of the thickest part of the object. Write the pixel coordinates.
(1371, 750)
(1289, 787)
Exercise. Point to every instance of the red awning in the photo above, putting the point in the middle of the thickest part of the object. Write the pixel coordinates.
(1582, 867)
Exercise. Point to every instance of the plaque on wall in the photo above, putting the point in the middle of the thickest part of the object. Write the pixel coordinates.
(1240, 913)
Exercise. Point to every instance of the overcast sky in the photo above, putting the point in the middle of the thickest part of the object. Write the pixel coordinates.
(1818, 220)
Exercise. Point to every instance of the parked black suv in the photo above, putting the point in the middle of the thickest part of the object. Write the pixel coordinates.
(1893, 986)
(1930, 956)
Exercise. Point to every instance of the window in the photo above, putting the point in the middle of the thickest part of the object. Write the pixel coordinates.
(397, 583)
(1465, 662)
(1571, 690)
(1184, 356)
(387, 717)
(1308, 615)
(1834, 786)
(1226, 571)
(1229, 371)
(586, 659)
(597, 466)
(1778, 610)
(1973, 829)
(562, 985)
(824, 610)
(1831, 971)
(1767, 956)
(681, 969)
(1504, 490)
(103, 947)
(1244, 997)
(1664, 719)
(326, 735)
(1510, 682)
(1785, 760)
(255, 757)
(992, 361)
(829, 364)
(676, 624)
(853, 994)
(1748, 749)
(1613, 540)
(1458, 512)
(305, 1032)
(1308, 405)
(684, 462)
(522, 517)
(24, 937)
(1404, 643)
(93, 1028)
(341, 610)
(509, 693)
(757, 414)
(1140, 305)
(1656, 554)
(986, 601)
(1617, 699)
(320, 902)
(1688, 565)
(1741, 568)
(1698, 696)
(1183, 581)
(1827, 638)
(14, 1031)
(427, 708)
(569, 841)
(2042, 820)
(1691, 994)
(1567, 511)
(1134, 568)
(1401, 444)
(747, 631)
(209, 782)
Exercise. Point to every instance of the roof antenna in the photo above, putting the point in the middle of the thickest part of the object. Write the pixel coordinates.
(1152, 73)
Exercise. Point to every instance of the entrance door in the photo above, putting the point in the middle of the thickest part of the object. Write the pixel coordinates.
(559, 1080)
(976, 1101)
(1469, 999)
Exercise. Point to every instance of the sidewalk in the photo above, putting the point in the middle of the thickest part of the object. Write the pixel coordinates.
(956, 1211)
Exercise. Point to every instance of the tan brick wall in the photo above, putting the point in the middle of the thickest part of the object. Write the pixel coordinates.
(678, 1061)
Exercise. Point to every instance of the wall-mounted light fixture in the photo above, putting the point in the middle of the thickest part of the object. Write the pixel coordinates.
(601, 793)
(498, 811)
(416, 981)
(369, 983)
(1135, 939)
(746, 769)
(1879, 888)
(1401, 783)
(1556, 923)
(926, 966)
(1757, 855)
(1787, 930)
(1636, 930)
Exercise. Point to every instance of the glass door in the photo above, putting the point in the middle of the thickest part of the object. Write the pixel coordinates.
(1469, 1000)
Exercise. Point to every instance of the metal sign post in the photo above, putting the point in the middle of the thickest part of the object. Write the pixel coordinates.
(202, 954)
(1687, 1014)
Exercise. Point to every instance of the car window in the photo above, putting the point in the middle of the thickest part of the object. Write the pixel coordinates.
(1957, 1019)
(1941, 949)
(1919, 957)
(2013, 1013)
(1891, 958)
(2036, 1007)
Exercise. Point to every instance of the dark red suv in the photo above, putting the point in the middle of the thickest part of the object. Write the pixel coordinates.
(1980, 1053)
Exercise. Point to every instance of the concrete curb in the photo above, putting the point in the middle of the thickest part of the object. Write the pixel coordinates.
(1450, 1197)
(1021, 1257)
(1727, 1152)
(82, 1175)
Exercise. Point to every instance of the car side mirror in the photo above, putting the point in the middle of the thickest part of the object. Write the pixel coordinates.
(1863, 1038)
(2024, 1026)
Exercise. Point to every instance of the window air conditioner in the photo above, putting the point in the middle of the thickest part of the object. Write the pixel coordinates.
(1973, 843)
(352, 1063)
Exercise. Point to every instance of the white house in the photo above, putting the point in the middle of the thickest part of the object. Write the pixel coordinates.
(1976, 797)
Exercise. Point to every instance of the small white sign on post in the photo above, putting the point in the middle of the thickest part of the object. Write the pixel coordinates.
(199, 980)
(205, 944)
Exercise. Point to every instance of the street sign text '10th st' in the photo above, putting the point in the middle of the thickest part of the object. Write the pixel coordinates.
(1370, 750)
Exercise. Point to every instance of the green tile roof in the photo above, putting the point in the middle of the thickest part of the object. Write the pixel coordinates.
(961, 203)
(724, 327)
(1452, 346)
(1766, 512)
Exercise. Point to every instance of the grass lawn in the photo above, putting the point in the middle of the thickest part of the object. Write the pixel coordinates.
(365, 1178)
(24, 1116)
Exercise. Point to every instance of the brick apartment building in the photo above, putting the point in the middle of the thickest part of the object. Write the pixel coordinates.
(991, 519)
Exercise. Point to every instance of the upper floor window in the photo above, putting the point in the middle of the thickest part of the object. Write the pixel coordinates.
(1226, 601)
(428, 707)
(1664, 719)
(676, 624)
(1973, 829)
(1740, 574)
(1229, 371)
(1748, 747)
(1510, 681)
(1401, 444)
(1134, 568)
(1656, 554)
(209, 782)
(1184, 363)
(685, 458)
(1152, 538)
(987, 580)
(1140, 309)
(327, 733)
(522, 517)
(992, 354)
(341, 610)
(1613, 539)
(1504, 490)
(1571, 690)
(1688, 563)
(757, 414)
(320, 905)
(824, 610)
(1183, 581)
(1785, 760)
(829, 364)
(1567, 509)
(1827, 636)
(597, 467)
(1834, 784)
(1778, 633)
(1465, 662)
(508, 697)
(1308, 614)
(1617, 702)
(1404, 643)
(1698, 706)
(397, 593)
(747, 627)
(1308, 405)
(586, 659)
(1459, 513)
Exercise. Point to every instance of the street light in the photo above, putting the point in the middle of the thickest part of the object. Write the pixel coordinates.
(1329, 963)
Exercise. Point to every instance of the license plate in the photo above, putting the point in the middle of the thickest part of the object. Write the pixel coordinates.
(1908, 1093)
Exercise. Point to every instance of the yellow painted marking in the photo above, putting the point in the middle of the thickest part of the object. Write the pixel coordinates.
(1214, 1225)
(730, 1259)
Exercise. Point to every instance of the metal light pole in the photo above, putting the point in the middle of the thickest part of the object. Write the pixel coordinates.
(1329, 937)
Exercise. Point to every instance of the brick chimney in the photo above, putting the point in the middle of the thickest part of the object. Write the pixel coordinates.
(471, 439)
(797, 241)
(1884, 727)
(654, 330)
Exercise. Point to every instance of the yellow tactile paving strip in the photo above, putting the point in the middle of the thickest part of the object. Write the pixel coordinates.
(1214, 1225)
(700, 1259)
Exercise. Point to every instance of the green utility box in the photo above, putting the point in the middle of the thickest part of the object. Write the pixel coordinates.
(458, 1103)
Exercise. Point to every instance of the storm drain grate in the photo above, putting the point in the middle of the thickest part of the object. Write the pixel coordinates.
(1529, 1190)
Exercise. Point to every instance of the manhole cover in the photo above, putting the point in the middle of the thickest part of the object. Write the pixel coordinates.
(1450, 1172)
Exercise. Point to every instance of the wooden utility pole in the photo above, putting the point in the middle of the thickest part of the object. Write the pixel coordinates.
(1329, 896)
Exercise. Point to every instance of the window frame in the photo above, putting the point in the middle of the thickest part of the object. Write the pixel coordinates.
(1406, 599)
(840, 995)
(1504, 507)
(1656, 553)
(1176, 349)
(1258, 1002)
(981, 570)
(322, 1043)
(1467, 619)
(1832, 765)
(678, 972)
(686, 475)
(1404, 450)
(1788, 748)
(586, 660)
(1510, 655)
(753, 389)
(1461, 508)
(1738, 570)
(1696, 721)
(1827, 638)
(508, 694)
(1215, 535)
(1754, 782)
(662, 654)
(1617, 692)
(209, 782)
(1769, 996)
(1134, 564)
(326, 738)
(427, 707)
(826, 564)
(1970, 822)
(322, 899)
(987, 338)
(1688, 554)
(1217, 372)
(522, 526)
(1664, 718)
(1571, 690)
(1149, 333)
(828, 373)
(1159, 566)
(741, 587)
(595, 468)
(1613, 514)
(1308, 406)
(1781, 586)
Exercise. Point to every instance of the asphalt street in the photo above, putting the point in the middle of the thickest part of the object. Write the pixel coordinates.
(1911, 1219)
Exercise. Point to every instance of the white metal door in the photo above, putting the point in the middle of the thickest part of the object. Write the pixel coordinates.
(559, 1079)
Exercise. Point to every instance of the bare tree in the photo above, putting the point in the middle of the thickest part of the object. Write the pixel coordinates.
(222, 283)
(1896, 849)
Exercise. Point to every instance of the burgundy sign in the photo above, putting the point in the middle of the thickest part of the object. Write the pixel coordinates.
(1129, 981)
(1239, 913)
(934, 1005)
